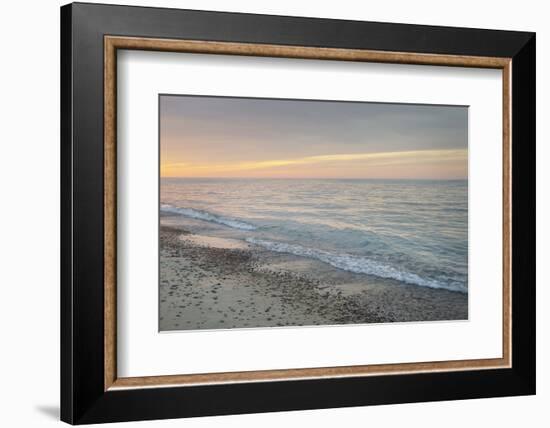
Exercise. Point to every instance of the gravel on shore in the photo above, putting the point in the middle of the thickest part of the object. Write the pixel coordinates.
(212, 284)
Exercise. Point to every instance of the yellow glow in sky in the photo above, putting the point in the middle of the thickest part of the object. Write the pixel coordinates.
(450, 163)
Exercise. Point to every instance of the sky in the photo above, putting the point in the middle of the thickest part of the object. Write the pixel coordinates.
(272, 138)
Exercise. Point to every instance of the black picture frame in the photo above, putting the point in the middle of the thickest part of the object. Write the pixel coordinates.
(83, 397)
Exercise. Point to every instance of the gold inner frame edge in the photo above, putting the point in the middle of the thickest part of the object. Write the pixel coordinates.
(113, 43)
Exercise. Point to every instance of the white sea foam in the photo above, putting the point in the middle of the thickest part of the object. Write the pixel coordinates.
(206, 216)
(356, 264)
(408, 230)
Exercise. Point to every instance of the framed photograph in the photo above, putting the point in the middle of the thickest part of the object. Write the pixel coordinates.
(265, 213)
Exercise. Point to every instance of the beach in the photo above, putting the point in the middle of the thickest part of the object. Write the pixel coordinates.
(216, 282)
(284, 213)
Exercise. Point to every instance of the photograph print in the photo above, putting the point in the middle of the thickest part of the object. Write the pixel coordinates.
(287, 212)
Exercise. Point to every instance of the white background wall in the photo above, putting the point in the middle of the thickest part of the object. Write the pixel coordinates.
(29, 213)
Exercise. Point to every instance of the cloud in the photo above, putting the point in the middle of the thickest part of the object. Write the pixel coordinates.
(343, 160)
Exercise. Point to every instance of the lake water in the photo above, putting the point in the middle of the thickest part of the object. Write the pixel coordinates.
(414, 231)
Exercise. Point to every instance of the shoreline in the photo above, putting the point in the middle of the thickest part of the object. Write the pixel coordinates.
(216, 283)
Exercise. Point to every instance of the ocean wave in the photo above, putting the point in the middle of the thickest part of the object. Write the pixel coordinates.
(206, 216)
(356, 264)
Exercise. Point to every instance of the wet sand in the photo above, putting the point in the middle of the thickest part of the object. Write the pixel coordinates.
(215, 283)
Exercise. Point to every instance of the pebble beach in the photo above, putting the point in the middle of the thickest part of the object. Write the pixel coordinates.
(211, 283)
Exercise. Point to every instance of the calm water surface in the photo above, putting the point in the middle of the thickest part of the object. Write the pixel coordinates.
(413, 231)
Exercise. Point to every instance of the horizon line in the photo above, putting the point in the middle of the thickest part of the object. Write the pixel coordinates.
(316, 178)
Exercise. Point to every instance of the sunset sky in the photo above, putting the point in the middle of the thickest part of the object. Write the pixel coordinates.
(267, 138)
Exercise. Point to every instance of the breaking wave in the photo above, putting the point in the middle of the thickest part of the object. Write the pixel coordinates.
(206, 216)
(357, 264)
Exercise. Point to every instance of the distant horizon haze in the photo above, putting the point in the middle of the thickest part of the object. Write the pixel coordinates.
(205, 136)
(312, 178)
